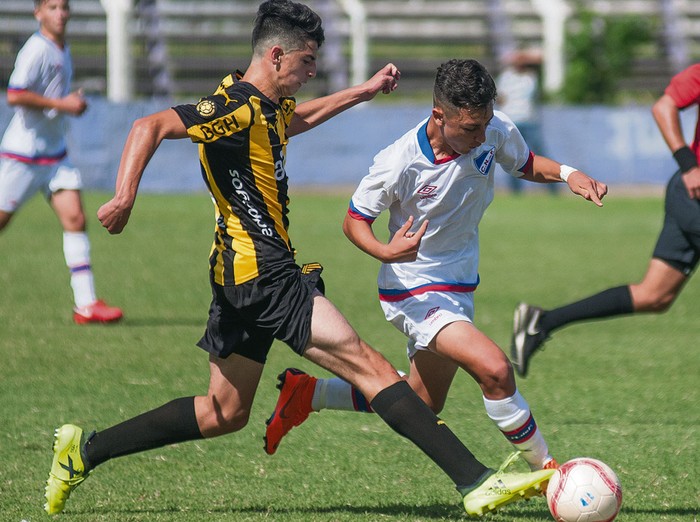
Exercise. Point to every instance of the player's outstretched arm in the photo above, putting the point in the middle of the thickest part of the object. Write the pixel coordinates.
(309, 114)
(73, 103)
(402, 248)
(545, 170)
(143, 140)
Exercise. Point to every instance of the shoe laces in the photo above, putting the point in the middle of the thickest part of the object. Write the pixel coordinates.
(512, 458)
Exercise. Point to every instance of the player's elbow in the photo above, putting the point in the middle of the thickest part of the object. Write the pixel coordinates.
(13, 98)
(347, 228)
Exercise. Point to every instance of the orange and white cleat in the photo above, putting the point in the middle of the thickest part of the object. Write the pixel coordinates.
(97, 312)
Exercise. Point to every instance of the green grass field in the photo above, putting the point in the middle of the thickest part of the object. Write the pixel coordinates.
(624, 391)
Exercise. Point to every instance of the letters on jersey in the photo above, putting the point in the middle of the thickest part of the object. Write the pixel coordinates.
(242, 142)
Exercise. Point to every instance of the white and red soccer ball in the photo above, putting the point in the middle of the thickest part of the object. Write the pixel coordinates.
(584, 490)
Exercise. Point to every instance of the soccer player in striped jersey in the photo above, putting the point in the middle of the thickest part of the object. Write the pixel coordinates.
(33, 155)
(436, 182)
(677, 250)
(259, 293)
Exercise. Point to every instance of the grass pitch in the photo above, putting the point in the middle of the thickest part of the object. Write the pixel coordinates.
(624, 390)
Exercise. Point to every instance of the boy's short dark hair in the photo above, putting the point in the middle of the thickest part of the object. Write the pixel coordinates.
(463, 84)
(289, 23)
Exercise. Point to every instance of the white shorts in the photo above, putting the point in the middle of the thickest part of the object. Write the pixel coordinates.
(421, 317)
(20, 181)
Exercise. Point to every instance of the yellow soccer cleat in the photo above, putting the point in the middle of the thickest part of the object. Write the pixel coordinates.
(501, 488)
(67, 468)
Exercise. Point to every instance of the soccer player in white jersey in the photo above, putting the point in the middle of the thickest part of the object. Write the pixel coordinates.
(33, 154)
(436, 182)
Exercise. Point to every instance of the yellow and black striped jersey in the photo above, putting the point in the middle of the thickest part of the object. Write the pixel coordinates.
(242, 142)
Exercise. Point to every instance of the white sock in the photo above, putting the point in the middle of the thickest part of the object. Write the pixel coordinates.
(514, 419)
(76, 250)
(337, 394)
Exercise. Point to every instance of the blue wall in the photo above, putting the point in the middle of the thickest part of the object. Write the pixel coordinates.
(620, 146)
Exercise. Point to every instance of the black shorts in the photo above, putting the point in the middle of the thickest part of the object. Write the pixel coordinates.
(679, 240)
(245, 319)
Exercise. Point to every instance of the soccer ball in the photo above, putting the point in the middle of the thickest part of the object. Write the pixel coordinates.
(584, 490)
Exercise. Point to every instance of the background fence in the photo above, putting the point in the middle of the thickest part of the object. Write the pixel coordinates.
(181, 47)
(620, 146)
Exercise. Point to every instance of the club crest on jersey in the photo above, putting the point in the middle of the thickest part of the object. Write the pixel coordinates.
(206, 108)
(483, 161)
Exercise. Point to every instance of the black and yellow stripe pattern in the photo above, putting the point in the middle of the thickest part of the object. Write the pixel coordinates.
(242, 143)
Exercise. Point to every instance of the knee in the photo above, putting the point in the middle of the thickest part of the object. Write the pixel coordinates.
(652, 302)
(74, 223)
(497, 379)
(216, 419)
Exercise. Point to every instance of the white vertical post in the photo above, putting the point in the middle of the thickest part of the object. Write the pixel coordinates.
(120, 72)
(358, 39)
(554, 14)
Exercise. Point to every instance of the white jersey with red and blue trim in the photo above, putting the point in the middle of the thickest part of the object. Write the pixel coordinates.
(453, 194)
(33, 135)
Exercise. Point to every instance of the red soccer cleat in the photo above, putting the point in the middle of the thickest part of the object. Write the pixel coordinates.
(292, 408)
(98, 312)
(550, 464)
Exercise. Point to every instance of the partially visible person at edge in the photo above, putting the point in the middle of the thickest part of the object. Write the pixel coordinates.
(677, 249)
(33, 155)
(519, 98)
(436, 182)
(259, 292)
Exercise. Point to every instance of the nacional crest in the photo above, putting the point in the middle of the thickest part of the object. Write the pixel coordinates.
(483, 161)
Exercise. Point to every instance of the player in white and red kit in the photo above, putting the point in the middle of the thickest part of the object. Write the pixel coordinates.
(436, 181)
(677, 250)
(33, 155)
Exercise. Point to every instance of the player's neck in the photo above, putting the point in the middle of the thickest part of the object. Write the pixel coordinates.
(441, 150)
(262, 80)
(57, 38)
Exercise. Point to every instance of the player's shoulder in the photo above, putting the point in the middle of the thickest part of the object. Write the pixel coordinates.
(35, 44)
(403, 150)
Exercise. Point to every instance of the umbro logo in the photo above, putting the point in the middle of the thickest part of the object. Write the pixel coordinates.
(427, 191)
(431, 312)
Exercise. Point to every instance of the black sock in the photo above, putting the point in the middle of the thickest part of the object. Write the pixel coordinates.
(608, 303)
(171, 423)
(400, 407)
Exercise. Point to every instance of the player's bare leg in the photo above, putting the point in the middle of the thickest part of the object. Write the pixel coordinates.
(76, 248)
(658, 289)
(68, 206)
(471, 349)
(5, 218)
(431, 376)
(232, 385)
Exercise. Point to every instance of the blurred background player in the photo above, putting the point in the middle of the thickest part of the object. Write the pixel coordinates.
(33, 154)
(436, 182)
(519, 98)
(677, 248)
(259, 293)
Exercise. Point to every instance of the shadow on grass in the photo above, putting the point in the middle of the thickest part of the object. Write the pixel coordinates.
(145, 321)
(674, 512)
(398, 511)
